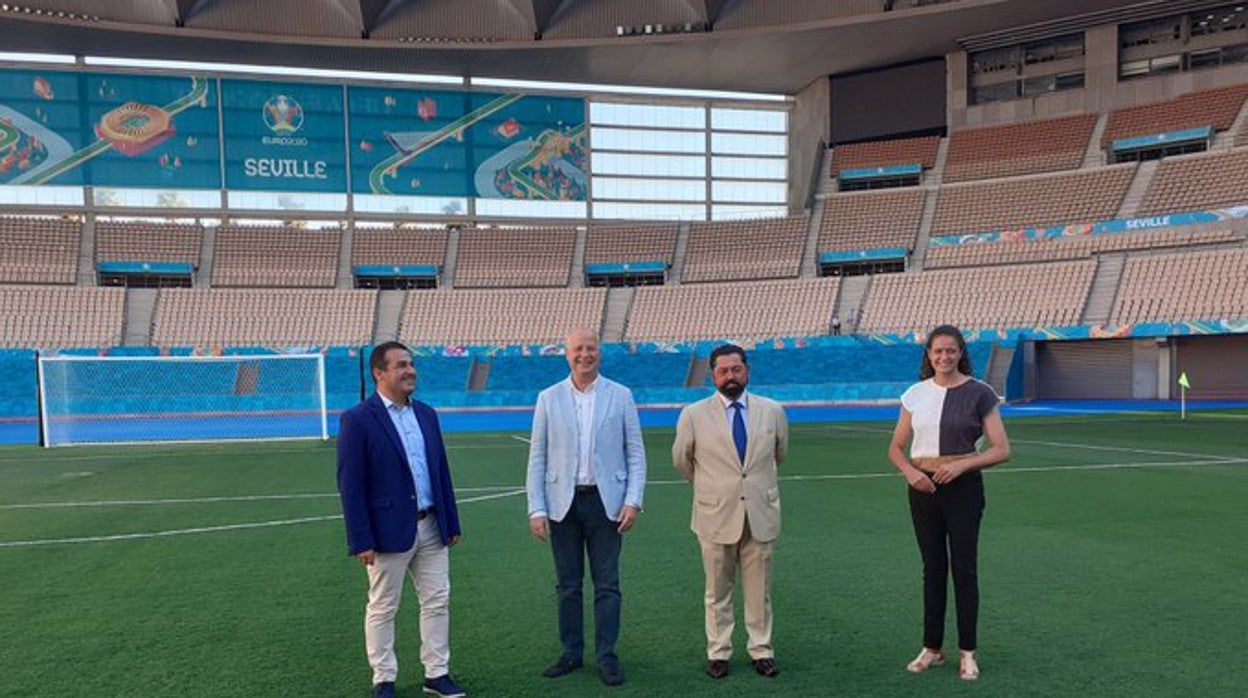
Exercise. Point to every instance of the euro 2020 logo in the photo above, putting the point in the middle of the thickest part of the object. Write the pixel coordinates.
(283, 115)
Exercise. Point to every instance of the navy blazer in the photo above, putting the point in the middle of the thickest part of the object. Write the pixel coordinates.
(375, 481)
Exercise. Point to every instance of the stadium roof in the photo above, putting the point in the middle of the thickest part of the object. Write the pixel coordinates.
(740, 45)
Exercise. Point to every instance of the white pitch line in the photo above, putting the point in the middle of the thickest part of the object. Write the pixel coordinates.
(210, 529)
(520, 438)
(208, 500)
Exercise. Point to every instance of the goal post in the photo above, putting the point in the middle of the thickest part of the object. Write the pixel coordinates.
(155, 399)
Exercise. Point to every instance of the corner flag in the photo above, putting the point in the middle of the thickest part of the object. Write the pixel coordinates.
(1183, 380)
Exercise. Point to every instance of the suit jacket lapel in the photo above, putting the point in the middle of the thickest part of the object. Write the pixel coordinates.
(753, 430)
(719, 423)
(378, 409)
(602, 402)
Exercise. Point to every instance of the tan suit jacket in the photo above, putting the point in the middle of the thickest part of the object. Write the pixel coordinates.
(724, 492)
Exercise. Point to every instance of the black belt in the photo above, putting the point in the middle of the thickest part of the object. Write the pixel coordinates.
(421, 514)
(586, 488)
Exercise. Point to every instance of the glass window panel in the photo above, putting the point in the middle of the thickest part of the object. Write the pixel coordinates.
(749, 120)
(994, 93)
(650, 189)
(609, 210)
(748, 191)
(531, 208)
(722, 212)
(749, 168)
(1235, 54)
(157, 198)
(1069, 81)
(748, 144)
(429, 205)
(654, 141)
(42, 195)
(649, 165)
(652, 115)
(287, 201)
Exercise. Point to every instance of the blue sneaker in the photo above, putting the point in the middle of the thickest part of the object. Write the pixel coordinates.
(444, 686)
(385, 689)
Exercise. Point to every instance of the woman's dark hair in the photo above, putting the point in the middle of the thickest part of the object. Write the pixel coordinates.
(964, 364)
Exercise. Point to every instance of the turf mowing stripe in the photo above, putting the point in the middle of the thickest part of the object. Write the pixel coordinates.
(212, 529)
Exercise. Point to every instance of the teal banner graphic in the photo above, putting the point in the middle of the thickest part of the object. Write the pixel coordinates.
(283, 137)
(108, 130)
(466, 144)
(153, 131)
(42, 128)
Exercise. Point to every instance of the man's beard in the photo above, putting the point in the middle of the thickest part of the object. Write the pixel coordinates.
(732, 390)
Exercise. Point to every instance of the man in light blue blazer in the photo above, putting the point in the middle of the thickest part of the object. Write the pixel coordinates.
(587, 473)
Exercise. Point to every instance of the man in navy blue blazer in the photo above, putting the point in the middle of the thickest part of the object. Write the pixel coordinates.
(399, 507)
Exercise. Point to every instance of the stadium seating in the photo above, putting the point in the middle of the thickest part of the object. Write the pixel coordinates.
(614, 244)
(1216, 108)
(737, 311)
(764, 248)
(983, 297)
(1205, 285)
(873, 219)
(1018, 149)
(1039, 201)
(1068, 247)
(276, 257)
(135, 241)
(1198, 182)
(498, 316)
(514, 257)
(898, 151)
(52, 317)
(39, 250)
(403, 246)
(262, 317)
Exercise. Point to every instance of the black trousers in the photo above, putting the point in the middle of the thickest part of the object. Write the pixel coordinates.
(946, 525)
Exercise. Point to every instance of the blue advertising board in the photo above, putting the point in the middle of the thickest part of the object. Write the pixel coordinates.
(283, 137)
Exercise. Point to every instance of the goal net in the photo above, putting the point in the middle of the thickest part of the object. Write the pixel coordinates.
(109, 400)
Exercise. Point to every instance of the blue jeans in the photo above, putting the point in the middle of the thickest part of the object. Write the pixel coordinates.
(587, 529)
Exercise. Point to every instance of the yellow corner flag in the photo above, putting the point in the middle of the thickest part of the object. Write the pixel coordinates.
(1183, 380)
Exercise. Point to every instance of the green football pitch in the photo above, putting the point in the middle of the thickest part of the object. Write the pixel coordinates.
(1113, 561)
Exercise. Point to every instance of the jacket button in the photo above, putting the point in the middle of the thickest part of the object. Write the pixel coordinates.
(743, 498)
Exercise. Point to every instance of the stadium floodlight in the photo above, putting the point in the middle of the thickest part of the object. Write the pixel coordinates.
(57, 58)
(155, 399)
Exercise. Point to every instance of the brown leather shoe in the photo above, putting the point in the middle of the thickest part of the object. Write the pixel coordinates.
(717, 668)
(766, 667)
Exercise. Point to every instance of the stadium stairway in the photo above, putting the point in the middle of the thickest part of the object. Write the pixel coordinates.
(1226, 140)
(1104, 288)
(577, 278)
(451, 259)
(138, 317)
(345, 279)
(615, 314)
(203, 275)
(678, 257)
(852, 296)
(1094, 156)
(389, 311)
(999, 367)
(86, 253)
(925, 229)
(1139, 187)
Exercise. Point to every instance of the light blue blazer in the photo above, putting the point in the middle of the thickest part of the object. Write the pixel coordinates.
(619, 456)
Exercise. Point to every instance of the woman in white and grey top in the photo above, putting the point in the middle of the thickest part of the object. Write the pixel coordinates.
(943, 416)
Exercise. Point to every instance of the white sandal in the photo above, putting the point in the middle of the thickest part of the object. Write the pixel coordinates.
(968, 668)
(927, 658)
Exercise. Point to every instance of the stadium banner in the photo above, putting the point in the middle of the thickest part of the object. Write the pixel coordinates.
(283, 137)
(43, 136)
(467, 144)
(1119, 225)
(108, 130)
(152, 131)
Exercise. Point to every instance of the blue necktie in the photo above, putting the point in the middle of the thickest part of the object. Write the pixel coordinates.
(738, 431)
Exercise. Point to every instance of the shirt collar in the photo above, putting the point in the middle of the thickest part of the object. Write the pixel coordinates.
(589, 389)
(743, 398)
(391, 404)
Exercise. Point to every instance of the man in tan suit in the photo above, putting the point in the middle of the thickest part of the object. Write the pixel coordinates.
(729, 447)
